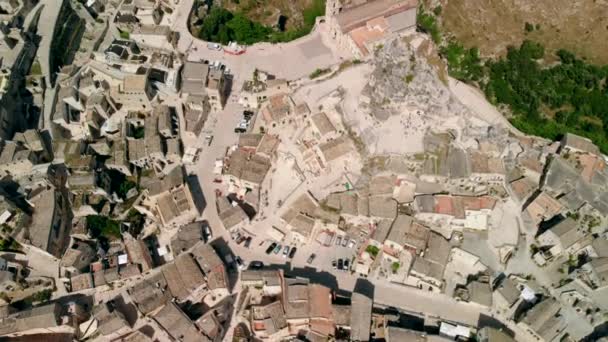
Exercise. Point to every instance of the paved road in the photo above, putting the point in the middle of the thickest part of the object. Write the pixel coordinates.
(290, 60)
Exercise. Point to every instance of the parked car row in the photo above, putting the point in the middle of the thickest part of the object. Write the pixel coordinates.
(341, 264)
(344, 241)
(288, 251)
(240, 237)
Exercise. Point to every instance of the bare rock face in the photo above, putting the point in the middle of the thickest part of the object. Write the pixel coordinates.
(404, 96)
(401, 78)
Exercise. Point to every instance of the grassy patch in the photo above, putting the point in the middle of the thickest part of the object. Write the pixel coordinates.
(125, 34)
(36, 69)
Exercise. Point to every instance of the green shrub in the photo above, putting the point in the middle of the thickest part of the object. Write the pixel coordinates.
(9, 244)
(42, 296)
(437, 10)
(372, 250)
(318, 73)
(36, 69)
(463, 64)
(427, 23)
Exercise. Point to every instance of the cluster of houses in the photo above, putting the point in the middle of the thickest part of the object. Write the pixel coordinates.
(317, 140)
(408, 226)
(143, 21)
(157, 305)
(278, 307)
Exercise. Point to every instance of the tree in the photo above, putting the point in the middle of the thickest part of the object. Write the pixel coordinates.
(372, 250)
(213, 22)
(124, 188)
(247, 31)
(549, 101)
(463, 64)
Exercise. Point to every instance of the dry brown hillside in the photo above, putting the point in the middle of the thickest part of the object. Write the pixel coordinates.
(580, 26)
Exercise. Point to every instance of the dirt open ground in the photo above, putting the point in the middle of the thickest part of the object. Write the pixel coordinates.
(580, 26)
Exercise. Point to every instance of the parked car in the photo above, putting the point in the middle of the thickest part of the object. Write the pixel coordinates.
(214, 46)
(292, 252)
(344, 242)
(334, 264)
(247, 242)
(207, 234)
(243, 126)
(209, 139)
(340, 264)
(338, 240)
(352, 243)
(277, 249)
(346, 264)
(247, 114)
(311, 258)
(239, 262)
(285, 251)
(271, 248)
(256, 265)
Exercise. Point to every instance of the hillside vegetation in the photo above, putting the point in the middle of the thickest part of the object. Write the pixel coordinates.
(244, 25)
(547, 92)
(571, 96)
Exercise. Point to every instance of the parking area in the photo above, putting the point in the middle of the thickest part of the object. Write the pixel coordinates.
(325, 255)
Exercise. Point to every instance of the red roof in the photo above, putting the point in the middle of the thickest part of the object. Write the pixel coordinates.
(444, 205)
